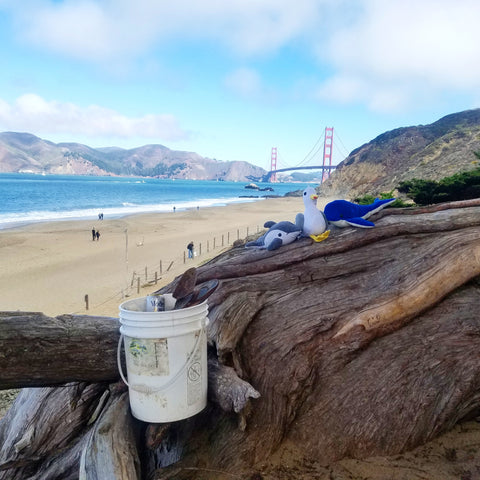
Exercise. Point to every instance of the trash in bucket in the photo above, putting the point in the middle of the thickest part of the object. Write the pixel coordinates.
(166, 359)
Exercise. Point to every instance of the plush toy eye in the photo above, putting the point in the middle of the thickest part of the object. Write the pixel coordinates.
(280, 234)
(304, 193)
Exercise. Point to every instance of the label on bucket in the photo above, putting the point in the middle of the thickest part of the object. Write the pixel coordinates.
(148, 356)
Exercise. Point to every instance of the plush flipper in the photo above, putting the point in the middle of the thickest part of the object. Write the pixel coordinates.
(299, 220)
(274, 244)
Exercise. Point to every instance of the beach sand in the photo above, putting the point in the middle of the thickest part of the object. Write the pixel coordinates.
(50, 267)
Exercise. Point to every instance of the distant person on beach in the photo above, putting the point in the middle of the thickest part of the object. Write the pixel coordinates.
(174, 208)
(190, 250)
(97, 235)
(100, 216)
(93, 234)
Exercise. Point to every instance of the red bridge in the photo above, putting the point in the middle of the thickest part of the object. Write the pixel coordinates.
(326, 166)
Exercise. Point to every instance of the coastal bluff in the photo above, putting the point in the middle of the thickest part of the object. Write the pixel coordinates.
(366, 344)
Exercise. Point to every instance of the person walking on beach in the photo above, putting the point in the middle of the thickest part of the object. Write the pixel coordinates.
(97, 235)
(190, 250)
(93, 234)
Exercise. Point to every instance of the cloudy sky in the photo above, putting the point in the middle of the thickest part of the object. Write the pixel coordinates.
(230, 79)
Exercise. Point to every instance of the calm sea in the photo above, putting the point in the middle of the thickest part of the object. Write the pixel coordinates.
(26, 198)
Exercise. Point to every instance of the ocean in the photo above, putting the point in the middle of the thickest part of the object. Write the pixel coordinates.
(29, 198)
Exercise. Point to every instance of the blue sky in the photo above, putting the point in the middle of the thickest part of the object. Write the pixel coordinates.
(232, 79)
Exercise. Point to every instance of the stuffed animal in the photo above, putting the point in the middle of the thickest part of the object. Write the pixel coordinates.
(313, 221)
(281, 233)
(342, 213)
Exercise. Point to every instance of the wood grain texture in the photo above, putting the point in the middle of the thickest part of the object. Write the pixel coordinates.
(365, 344)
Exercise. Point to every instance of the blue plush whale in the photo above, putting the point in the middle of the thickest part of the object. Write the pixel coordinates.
(342, 213)
(281, 233)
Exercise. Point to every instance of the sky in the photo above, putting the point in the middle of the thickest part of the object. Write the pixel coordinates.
(230, 79)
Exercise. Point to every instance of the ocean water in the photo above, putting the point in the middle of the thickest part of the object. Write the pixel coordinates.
(28, 198)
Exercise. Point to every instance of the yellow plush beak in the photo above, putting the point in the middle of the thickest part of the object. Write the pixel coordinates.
(322, 236)
(313, 197)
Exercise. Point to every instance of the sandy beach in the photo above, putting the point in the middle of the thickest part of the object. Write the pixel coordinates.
(50, 267)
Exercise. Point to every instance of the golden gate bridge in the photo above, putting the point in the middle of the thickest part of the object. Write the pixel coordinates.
(326, 165)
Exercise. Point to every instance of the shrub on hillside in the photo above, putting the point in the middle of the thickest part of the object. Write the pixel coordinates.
(461, 186)
(369, 199)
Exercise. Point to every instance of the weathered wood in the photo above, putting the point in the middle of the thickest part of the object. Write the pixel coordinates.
(229, 391)
(45, 431)
(365, 344)
(323, 332)
(45, 351)
(37, 350)
(111, 449)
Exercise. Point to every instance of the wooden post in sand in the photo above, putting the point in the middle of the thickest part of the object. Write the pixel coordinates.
(86, 301)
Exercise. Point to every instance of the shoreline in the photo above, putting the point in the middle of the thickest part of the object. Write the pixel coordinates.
(49, 267)
(114, 216)
(118, 215)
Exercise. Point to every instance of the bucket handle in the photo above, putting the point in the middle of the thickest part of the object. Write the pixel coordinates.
(145, 388)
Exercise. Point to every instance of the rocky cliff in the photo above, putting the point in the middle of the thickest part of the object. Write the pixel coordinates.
(429, 152)
(23, 152)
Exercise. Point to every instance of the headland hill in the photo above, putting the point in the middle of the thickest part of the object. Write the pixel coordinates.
(445, 147)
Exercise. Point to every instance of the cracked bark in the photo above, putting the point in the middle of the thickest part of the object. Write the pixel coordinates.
(365, 344)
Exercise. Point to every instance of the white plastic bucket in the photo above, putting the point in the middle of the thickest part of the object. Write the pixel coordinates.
(166, 359)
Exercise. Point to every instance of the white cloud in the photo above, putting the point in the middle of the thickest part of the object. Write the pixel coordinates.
(386, 54)
(396, 54)
(97, 31)
(34, 114)
(378, 97)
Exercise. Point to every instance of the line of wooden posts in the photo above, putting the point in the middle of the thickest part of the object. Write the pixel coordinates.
(137, 278)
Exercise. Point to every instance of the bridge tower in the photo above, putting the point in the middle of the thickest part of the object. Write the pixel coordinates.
(327, 152)
(273, 164)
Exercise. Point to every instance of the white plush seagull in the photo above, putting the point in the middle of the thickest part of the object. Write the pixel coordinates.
(313, 220)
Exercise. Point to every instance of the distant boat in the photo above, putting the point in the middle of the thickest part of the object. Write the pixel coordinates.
(253, 186)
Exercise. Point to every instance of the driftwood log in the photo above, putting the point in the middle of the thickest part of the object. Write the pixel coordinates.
(365, 344)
